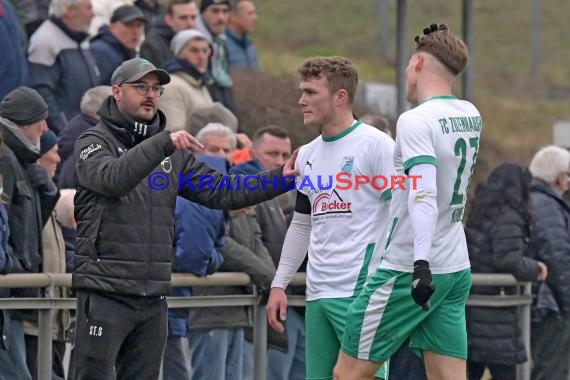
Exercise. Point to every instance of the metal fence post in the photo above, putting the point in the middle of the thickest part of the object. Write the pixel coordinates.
(44, 337)
(524, 368)
(259, 343)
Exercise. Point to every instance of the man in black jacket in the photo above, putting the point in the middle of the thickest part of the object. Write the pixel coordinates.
(130, 171)
(550, 330)
(180, 15)
(30, 198)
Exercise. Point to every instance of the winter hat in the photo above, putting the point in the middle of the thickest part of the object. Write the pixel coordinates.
(206, 3)
(181, 38)
(23, 106)
(47, 141)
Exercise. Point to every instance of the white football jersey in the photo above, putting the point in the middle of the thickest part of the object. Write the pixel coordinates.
(349, 222)
(443, 131)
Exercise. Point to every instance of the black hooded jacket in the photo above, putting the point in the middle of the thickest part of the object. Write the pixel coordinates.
(125, 227)
(552, 240)
(498, 236)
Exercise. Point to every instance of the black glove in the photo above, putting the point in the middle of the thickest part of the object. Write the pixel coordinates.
(422, 286)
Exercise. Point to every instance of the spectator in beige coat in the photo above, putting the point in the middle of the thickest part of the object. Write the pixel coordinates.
(189, 78)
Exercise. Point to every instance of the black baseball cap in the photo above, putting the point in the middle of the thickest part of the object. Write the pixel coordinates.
(134, 69)
(127, 13)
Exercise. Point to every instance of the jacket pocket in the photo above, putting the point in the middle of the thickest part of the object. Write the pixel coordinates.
(93, 233)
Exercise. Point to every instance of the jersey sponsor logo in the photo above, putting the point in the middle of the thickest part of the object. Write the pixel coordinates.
(331, 203)
(85, 153)
(347, 164)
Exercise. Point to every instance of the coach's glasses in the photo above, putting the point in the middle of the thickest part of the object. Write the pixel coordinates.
(142, 88)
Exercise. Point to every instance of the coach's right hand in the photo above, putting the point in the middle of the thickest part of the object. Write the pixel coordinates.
(277, 309)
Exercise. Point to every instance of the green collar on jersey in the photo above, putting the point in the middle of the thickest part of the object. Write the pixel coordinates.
(343, 133)
(439, 97)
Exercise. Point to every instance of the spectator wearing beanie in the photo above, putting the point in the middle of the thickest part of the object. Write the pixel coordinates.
(26, 186)
(53, 261)
(189, 78)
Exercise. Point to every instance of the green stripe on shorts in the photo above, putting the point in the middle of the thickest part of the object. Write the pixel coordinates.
(364, 269)
(384, 315)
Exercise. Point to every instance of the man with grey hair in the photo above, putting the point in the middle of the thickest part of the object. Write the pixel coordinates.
(60, 63)
(218, 140)
(550, 167)
(90, 103)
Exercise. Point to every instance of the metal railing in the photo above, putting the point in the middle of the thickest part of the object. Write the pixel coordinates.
(48, 303)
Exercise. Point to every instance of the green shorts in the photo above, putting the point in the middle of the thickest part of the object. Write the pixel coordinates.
(325, 320)
(384, 315)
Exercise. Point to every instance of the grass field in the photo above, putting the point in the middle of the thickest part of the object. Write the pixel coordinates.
(518, 110)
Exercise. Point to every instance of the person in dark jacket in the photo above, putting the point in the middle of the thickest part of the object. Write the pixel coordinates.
(152, 9)
(13, 66)
(60, 63)
(498, 238)
(117, 42)
(53, 261)
(272, 148)
(32, 13)
(125, 223)
(30, 194)
(91, 101)
(550, 330)
(199, 237)
(242, 53)
(12, 344)
(180, 15)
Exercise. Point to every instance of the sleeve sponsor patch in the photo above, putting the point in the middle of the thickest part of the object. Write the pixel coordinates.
(86, 152)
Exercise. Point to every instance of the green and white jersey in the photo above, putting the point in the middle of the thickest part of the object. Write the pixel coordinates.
(347, 220)
(443, 131)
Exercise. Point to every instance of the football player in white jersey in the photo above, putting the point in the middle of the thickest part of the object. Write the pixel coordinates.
(338, 218)
(437, 140)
